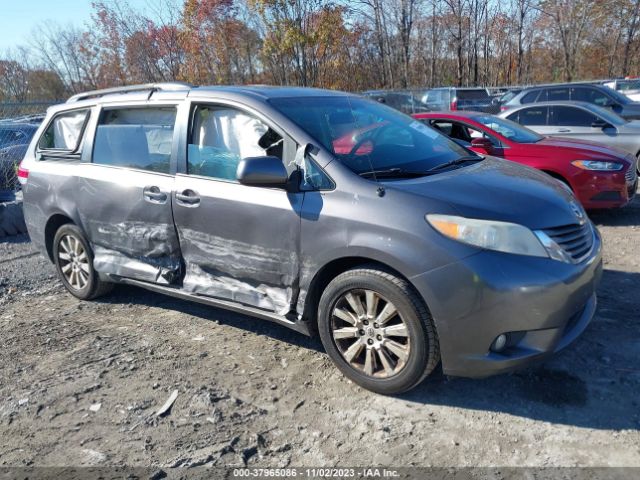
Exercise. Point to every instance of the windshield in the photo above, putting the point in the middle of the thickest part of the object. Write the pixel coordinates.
(508, 129)
(368, 136)
(626, 85)
(606, 114)
(509, 95)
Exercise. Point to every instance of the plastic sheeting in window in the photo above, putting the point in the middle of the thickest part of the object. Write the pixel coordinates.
(224, 136)
(67, 129)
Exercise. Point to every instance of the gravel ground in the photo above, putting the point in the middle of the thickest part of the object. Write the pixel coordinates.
(80, 384)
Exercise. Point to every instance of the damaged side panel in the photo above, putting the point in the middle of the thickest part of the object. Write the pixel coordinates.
(240, 243)
(132, 234)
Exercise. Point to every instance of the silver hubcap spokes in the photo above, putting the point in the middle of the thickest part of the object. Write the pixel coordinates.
(370, 333)
(74, 262)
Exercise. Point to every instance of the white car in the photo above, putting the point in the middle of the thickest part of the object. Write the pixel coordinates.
(630, 88)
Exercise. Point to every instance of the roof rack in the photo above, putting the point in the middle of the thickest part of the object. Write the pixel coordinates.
(150, 87)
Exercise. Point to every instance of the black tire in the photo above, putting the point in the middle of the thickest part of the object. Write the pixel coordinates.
(422, 341)
(92, 287)
(638, 164)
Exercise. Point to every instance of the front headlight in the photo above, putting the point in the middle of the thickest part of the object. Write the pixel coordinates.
(488, 234)
(598, 165)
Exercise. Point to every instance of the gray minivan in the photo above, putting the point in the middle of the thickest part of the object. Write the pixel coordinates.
(322, 211)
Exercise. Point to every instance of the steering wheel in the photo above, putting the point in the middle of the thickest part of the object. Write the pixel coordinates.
(359, 143)
(366, 139)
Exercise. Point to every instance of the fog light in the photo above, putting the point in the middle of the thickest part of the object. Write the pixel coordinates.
(499, 343)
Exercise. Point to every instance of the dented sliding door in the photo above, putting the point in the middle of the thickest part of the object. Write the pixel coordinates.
(124, 194)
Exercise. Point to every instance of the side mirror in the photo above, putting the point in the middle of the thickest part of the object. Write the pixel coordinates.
(266, 171)
(482, 143)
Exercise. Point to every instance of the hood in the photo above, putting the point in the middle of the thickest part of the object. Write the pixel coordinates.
(630, 111)
(582, 149)
(632, 125)
(501, 190)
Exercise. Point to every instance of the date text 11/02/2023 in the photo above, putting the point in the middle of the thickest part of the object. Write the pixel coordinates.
(310, 473)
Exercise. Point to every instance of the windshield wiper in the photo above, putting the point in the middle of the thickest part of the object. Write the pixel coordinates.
(457, 161)
(393, 173)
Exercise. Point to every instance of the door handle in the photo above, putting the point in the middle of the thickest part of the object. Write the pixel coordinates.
(564, 130)
(154, 195)
(188, 198)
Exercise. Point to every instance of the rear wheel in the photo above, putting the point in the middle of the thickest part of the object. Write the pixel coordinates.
(74, 262)
(638, 164)
(377, 330)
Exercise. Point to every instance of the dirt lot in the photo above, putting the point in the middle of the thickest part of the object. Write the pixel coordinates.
(80, 382)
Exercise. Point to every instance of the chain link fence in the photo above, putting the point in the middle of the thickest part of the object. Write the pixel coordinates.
(18, 124)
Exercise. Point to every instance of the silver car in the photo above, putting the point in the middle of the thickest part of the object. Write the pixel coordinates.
(322, 211)
(579, 121)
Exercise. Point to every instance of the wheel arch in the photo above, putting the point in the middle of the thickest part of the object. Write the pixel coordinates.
(331, 270)
(54, 222)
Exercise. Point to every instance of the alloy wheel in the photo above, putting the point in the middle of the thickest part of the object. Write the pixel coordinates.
(370, 333)
(74, 262)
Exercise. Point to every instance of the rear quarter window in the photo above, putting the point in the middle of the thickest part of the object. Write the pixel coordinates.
(64, 132)
(530, 97)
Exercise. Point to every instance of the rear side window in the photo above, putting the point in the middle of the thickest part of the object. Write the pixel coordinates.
(436, 96)
(139, 138)
(557, 94)
(590, 95)
(571, 116)
(64, 132)
(532, 116)
(530, 97)
(472, 94)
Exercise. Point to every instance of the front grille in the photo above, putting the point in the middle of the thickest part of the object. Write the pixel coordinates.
(630, 176)
(576, 240)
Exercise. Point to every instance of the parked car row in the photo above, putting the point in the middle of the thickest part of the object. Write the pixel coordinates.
(595, 94)
(618, 95)
(325, 212)
(600, 177)
(14, 140)
(593, 114)
(435, 99)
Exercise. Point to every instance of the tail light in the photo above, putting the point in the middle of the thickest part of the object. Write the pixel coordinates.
(454, 104)
(23, 174)
(503, 108)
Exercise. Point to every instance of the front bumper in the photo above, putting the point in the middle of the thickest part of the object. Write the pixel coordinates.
(600, 190)
(542, 304)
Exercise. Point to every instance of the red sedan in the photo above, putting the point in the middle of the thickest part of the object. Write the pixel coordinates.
(600, 177)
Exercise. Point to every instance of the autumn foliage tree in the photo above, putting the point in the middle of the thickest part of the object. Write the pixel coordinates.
(350, 45)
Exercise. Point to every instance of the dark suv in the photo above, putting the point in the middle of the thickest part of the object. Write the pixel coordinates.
(406, 101)
(457, 98)
(596, 94)
(322, 211)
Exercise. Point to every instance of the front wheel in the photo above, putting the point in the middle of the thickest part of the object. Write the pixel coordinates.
(74, 262)
(377, 330)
